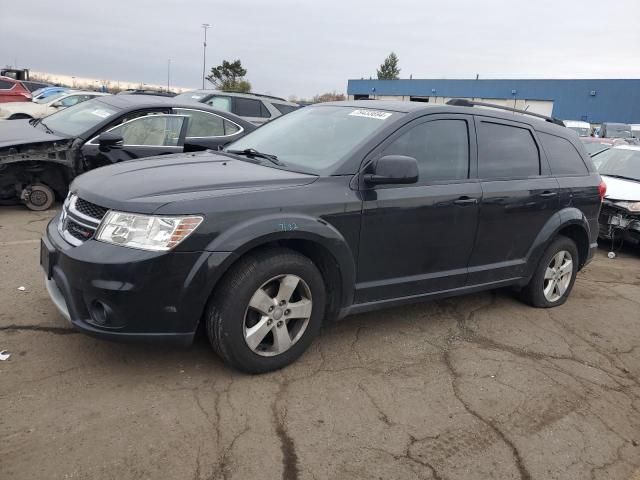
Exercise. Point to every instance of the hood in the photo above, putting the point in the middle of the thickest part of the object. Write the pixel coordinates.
(14, 133)
(143, 186)
(620, 189)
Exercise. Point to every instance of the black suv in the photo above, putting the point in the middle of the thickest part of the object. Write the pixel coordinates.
(333, 209)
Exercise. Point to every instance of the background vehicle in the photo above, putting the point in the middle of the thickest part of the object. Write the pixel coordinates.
(40, 108)
(620, 214)
(635, 130)
(583, 129)
(336, 208)
(38, 158)
(13, 91)
(257, 109)
(615, 130)
(42, 93)
(147, 92)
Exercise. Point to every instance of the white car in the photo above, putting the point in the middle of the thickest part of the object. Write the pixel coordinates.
(583, 129)
(620, 213)
(47, 106)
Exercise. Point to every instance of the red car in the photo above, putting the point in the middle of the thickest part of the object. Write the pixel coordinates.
(12, 90)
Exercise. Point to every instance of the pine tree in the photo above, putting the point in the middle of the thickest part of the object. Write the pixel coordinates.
(389, 69)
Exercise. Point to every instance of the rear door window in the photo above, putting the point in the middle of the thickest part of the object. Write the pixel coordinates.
(203, 124)
(506, 151)
(152, 130)
(563, 157)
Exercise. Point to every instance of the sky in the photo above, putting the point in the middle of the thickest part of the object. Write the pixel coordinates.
(303, 48)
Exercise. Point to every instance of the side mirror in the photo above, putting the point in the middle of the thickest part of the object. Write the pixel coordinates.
(56, 105)
(108, 139)
(392, 169)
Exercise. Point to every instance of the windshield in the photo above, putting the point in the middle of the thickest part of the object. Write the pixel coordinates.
(192, 96)
(315, 138)
(619, 162)
(79, 118)
(50, 98)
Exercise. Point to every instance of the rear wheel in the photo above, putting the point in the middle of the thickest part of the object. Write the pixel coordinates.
(38, 197)
(555, 275)
(267, 310)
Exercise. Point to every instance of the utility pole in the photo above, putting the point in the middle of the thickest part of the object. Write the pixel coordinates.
(205, 26)
(168, 74)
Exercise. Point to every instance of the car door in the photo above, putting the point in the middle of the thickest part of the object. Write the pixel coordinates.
(146, 136)
(519, 195)
(416, 239)
(208, 130)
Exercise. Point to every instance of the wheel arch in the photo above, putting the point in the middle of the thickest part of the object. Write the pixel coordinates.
(570, 222)
(312, 237)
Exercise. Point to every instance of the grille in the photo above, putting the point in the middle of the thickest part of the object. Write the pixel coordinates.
(89, 209)
(78, 231)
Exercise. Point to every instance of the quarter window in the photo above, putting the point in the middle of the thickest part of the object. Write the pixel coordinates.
(441, 148)
(284, 109)
(248, 107)
(563, 157)
(505, 151)
(152, 130)
(220, 103)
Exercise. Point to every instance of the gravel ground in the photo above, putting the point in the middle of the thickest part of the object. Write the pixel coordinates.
(476, 387)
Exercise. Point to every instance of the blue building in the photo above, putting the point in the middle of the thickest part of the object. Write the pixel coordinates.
(593, 101)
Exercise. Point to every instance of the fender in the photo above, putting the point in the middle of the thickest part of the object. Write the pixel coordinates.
(558, 221)
(288, 226)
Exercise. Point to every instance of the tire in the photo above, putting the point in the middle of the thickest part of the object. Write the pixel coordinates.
(262, 279)
(40, 198)
(534, 293)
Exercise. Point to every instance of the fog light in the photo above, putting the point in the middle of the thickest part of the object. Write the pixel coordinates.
(103, 316)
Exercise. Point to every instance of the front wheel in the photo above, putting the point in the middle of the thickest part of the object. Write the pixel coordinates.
(554, 276)
(267, 310)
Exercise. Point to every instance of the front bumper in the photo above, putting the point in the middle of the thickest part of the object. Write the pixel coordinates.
(616, 224)
(124, 294)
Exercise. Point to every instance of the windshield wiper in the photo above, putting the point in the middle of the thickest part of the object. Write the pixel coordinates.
(253, 153)
(40, 122)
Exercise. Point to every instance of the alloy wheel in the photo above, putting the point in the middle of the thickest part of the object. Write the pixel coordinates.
(557, 276)
(277, 315)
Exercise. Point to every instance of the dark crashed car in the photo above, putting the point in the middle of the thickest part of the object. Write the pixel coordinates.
(39, 158)
(333, 209)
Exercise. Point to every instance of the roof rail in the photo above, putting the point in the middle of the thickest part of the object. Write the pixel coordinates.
(463, 102)
(269, 96)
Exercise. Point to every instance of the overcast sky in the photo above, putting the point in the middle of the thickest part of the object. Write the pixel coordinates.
(306, 47)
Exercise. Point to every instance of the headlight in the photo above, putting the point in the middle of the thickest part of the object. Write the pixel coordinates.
(146, 232)
(631, 206)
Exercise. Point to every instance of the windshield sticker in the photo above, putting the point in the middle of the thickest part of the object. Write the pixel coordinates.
(101, 113)
(371, 114)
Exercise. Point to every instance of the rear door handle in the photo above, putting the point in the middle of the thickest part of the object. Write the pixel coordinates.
(466, 201)
(548, 193)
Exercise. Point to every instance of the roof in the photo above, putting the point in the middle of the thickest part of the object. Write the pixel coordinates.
(212, 91)
(416, 107)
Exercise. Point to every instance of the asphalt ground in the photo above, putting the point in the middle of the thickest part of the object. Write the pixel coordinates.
(475, 387)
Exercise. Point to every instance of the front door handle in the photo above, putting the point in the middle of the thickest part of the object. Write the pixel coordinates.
(466, 201)
(548, 193)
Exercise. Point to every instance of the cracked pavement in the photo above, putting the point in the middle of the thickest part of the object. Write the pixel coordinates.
(475, 387)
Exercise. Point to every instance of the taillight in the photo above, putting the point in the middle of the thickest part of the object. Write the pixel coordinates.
(602, 189)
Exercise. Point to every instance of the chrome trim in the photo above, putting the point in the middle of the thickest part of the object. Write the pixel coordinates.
(57, 298)
(93, 222)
